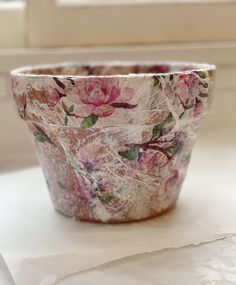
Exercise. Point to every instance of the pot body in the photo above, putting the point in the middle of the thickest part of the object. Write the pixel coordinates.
(114, 140)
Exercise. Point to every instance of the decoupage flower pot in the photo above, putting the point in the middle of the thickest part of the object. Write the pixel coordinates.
(114, 139)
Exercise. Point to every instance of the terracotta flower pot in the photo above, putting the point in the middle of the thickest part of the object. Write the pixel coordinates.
(114, 139)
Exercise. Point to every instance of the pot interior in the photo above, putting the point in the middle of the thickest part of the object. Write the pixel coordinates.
(113, 68)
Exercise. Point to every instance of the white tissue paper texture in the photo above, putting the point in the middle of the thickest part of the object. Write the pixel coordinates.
(46, 246)
(115, 149)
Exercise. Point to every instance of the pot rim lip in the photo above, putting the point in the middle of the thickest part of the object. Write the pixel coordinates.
(27, 71)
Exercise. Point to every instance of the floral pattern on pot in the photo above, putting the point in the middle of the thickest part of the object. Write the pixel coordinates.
(114, 140)
(97, 97)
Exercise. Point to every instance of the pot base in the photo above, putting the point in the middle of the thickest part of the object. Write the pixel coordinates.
(112, 221)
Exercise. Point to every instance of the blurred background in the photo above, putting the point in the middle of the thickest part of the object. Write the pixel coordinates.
(33, 32)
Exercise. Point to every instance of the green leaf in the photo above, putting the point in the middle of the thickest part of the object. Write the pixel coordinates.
(65, 108)
(173, 149)
(168, 119)
(157, 129)
(66, 120)
(156, 80)
(202, 74)
(181, 115)
(188, 104)
(203, 95)
(205, 85)
(130, 154)
(71, 109)
(89, 121)
(106, 199)
(187, 157)
(61, 185)
(40, 137)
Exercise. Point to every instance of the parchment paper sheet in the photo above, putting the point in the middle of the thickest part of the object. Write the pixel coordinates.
(31, 231)
(5, 276)
(212, 263)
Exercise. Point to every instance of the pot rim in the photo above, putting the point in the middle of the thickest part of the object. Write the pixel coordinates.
(28, 71)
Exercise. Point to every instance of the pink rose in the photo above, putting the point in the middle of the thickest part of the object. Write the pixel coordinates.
(53, 97)
(105, 186)
(83, 189)
(198, 108)
(90, 155)
(146, 162)
(188, 87)
(100, 96)
(189, 90)
(172, 180)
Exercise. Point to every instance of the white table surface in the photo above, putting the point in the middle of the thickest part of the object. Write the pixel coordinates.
(213, 263)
